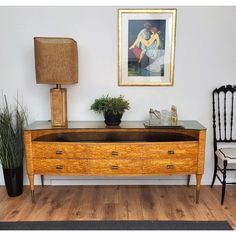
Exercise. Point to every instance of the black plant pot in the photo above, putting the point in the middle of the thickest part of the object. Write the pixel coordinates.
(14, 181)
(113, 119)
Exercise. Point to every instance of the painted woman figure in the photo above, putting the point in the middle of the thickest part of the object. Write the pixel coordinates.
(149, 46)
(145, 33)
(152, 44)
(150, 49)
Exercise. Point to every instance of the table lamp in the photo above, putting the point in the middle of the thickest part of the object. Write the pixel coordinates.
(56, 62)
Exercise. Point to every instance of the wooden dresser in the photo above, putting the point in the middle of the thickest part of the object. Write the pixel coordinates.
(93, 149)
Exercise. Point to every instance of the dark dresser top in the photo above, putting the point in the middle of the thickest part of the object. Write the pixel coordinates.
(46, 125)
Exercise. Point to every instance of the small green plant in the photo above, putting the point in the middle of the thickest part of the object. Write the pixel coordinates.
(12, 122)
(111, 105)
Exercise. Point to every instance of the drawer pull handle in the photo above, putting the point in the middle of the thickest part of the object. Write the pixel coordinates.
(114, 167)
(171, 152)
(58, 152)
(170, 166)
(114, 153)
(59, 167)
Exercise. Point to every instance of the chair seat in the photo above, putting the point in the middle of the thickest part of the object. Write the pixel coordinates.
(228, 154)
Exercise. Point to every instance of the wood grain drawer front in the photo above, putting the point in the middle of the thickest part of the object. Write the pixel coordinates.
(114, 167)
(155, 166)
(95, 151)
(59, 166)
(58, 150)
(184, 165)
(170, 167)
(170, 150)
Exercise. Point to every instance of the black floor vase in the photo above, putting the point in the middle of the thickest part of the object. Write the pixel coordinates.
(14, 181)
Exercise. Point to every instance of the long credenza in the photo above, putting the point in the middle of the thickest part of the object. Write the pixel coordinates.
(94, 149)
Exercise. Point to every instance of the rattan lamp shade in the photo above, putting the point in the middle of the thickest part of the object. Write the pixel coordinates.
(56, 60)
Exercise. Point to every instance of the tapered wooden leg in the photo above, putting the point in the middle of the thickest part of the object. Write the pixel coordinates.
(198, 186)
(42, 180)
(223, 183)
(188, 180)
(31, 180)
(32, 197)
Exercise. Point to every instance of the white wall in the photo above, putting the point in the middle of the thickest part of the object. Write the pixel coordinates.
(205, 59)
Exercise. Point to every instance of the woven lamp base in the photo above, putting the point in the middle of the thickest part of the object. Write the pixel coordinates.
(58, 107)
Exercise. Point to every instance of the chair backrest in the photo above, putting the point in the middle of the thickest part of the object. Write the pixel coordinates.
(224, 113)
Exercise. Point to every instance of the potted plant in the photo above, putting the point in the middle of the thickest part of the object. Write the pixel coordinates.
(12, 147)
(112, 108)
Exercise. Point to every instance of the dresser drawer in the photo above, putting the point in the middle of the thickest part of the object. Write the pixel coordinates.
(114, 167)
(183, 165)
(58, 150)
(170, 150)
(127, 150)
(169, 167)
(59, 166)
(155, 166)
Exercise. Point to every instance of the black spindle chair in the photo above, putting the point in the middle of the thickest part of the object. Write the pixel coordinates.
(224, 133)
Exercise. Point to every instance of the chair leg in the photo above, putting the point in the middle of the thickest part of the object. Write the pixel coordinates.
(224, 183)
(188, 180)
(215, 171)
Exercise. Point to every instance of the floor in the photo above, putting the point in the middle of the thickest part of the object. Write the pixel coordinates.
(119, 203)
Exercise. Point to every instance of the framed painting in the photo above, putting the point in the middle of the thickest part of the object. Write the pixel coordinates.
(146, 47)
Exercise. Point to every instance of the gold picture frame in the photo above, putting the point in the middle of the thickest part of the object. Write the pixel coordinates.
(146, 47)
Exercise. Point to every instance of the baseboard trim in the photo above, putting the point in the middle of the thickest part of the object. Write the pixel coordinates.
(123, 181)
